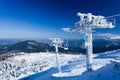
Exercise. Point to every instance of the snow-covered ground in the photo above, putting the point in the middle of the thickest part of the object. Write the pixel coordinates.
(42, 66)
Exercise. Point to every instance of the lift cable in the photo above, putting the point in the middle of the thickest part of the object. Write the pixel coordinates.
(113, 16)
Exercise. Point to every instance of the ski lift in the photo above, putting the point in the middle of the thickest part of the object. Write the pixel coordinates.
(87, 23)
(66, 45)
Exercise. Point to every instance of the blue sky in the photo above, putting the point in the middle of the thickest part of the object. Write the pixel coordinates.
(45, 18)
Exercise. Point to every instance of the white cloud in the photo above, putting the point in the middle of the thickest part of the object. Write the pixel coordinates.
(106, 36)
(66, 29)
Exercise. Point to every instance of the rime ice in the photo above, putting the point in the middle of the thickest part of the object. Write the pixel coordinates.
(85, 25)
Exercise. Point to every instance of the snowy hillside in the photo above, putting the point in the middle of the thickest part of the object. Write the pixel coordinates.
(42, 66)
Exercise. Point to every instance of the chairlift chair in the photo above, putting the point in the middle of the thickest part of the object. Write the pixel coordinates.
(66, 46)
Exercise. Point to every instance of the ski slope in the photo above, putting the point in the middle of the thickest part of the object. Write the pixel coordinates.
(42, 66)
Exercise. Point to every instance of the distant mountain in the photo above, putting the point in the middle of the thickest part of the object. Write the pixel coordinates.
(28, 46)
(99, 45)
(7, 41)
(102, 45)
(75, 46)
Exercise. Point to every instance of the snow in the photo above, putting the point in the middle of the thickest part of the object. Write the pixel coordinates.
(32, 43)
(42, 66)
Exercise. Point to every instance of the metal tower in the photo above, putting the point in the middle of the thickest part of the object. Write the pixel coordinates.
(85, 25)
(57, 42)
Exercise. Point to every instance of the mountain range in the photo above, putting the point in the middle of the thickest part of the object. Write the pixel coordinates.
(74, 45)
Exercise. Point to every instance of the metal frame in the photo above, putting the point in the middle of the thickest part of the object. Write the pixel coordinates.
(84, 26)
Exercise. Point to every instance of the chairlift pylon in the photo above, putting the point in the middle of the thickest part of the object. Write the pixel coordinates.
(87, 23)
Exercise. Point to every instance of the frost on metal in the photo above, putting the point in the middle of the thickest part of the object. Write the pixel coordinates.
(57, 42)
(84, 26)
(92, 21)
